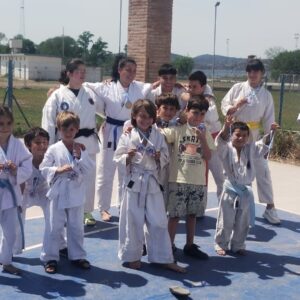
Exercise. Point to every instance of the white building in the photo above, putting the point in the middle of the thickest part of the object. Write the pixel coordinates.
(41, 68)
(33, 67)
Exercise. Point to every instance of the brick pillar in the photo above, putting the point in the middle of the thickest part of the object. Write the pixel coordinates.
(149, 35)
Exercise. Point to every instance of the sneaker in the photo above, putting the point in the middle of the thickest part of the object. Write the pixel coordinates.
(194, 251)
(271, 216)
(88, 219)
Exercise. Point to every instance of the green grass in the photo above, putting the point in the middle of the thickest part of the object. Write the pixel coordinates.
(32, 101)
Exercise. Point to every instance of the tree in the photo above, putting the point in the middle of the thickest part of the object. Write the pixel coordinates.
(28, 46)
(272, 52)
(287, 62)
(3, 43)
(84, 40)
(2, 37)
(98, 53)
(65, 47)
(184, 65)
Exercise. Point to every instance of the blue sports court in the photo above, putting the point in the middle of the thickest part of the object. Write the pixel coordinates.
(271, 269)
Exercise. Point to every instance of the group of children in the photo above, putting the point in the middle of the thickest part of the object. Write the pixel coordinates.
(163, 151)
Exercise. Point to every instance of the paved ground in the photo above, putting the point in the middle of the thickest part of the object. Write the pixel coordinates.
(271, 270)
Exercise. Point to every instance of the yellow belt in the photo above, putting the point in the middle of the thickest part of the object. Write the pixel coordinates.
(253, 125)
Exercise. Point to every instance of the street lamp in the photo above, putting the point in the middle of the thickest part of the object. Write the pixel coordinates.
(214, 55)
(120, 26)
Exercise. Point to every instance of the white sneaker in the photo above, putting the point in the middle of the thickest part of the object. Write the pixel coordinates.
(271, 216)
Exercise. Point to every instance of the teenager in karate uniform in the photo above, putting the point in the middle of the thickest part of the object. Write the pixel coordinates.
(141, 153)
(15, 169)
(65, 165)
(252, 103)
(81, 100)
(116, 98)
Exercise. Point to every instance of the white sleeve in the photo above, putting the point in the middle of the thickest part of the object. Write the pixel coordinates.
(49, 116)
(269, 114)
(221, 146)
(47, 167)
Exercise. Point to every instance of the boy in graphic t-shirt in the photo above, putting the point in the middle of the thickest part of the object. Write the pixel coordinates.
(192, 145)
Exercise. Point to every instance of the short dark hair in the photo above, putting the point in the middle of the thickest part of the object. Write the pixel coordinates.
(241, 126)
(5, 111)
(167, 69)
(167, 99)
(33, 133)
(148, 105)
(198, 102)
(255, 64)
(199, 76)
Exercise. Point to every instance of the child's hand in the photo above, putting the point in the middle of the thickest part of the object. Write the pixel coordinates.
(237, 106)
(77, 150)
(201, 133)
(229, 119)
(127, 129)
(274, 126)
(130, 155)
(12, 167)
(157, 155)
(63, 169)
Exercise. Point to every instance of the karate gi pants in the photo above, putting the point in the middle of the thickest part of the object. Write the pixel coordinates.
(8, 223)
(75, 233)
(131, 229)
(90, 180)
(232, 224)
(106, 169)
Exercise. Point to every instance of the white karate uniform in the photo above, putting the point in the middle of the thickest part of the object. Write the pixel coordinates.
(113, 100)
(22, 158)
(85, 106)
(143, 202)
(66, 196)
(34, 194)
(214, 126)
(261, 110)
(233, 220)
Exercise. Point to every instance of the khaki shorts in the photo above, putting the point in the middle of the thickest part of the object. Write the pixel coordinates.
(185, 199)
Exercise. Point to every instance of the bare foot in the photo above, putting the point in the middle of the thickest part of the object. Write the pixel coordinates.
(105, 215)
(136, 265)
(11, 269)
(221, 252)
(174, 267)
(241, 252)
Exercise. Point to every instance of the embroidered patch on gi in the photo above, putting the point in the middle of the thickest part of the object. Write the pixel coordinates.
(91, 101)
(64, 106)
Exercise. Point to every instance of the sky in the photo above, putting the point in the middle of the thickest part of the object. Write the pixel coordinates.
(243, 27)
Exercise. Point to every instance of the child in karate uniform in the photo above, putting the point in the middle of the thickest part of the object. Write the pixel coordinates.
(142, 152)
(15, 168)
(64, 166)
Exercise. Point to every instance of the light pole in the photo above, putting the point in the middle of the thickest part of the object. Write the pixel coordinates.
(214, 55)
(120, 26)
(296, 36)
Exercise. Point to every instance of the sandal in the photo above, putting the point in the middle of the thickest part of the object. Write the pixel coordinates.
(81, 263)
(51, 267)
(11, 269)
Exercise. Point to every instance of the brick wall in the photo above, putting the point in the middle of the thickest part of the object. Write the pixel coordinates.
(149, 35)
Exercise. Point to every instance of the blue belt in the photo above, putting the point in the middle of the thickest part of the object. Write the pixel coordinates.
(117, 124)
(4, 183)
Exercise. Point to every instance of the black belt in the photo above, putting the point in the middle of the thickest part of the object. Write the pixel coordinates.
(112, 121)
(86, 132)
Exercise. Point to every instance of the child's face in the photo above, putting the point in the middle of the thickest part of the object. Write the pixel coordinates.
(255, 78)
(6, 126)
(38, 146)
(68, 133)
(195, 116)
(127, 74)
(195, 88)
(167, 82)
(166, 112)
(143, 120)
(78, 75)
(239, 138)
